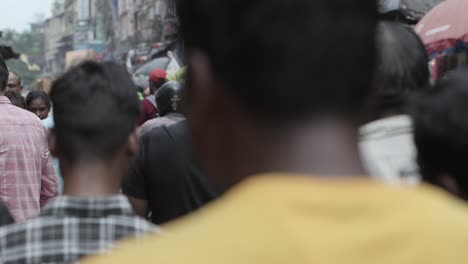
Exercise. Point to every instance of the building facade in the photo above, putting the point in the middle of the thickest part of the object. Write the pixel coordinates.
(54, 31)
(110, 28)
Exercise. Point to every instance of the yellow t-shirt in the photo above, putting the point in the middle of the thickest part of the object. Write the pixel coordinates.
(293, 219)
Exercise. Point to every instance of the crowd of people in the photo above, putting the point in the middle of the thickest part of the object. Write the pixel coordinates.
(333, 146)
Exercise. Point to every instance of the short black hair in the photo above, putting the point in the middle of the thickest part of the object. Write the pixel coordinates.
(287, 58)
(3, 74)
(441, 129)
(95, 110)
(402, 66)
(33, 95)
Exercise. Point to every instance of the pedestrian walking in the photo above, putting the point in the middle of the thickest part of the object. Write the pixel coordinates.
(150, 110)
(165, 181)
(38, 103)
(27, 176)
(283, 146)
(90, 100)
(169, 101)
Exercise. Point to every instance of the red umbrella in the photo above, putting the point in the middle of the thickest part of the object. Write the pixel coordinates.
(444, 29)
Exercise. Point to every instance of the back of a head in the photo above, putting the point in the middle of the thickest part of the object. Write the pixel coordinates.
(441, 129)
(402, 66)
(3, 75)
(95, 110)
(287, 58)
(168, 98)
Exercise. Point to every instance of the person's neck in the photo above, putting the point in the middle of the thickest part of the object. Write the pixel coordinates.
(92, 179)
(321, 148)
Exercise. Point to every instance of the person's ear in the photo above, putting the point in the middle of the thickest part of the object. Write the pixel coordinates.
(133, 143)
(52, 141)
(450, 184)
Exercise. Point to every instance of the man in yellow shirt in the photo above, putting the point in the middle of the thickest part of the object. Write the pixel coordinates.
(285, 135)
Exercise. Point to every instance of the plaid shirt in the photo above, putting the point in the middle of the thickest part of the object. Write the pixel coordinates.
(27, 176)
(70, 228)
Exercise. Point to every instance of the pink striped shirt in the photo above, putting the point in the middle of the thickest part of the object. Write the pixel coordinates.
(27, 176)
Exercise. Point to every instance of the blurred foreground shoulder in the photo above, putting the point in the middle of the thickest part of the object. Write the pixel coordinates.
(307, 221)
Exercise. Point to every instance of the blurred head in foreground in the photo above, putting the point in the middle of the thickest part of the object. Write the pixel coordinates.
(402, 67)
(95, 112)
(275, 91)
(441, 129)
(304, 64)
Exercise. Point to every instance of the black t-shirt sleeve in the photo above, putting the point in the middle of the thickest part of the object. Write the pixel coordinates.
(5, 216)
(134, 184)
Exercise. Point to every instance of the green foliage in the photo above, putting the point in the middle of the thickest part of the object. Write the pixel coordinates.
(29, 44)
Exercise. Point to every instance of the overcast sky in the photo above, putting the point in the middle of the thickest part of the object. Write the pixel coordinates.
(17, 14)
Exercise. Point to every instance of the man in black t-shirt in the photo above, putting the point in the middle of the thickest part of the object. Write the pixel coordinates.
(164, 180)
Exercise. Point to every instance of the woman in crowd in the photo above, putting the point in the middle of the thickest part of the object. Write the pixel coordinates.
(38, 102)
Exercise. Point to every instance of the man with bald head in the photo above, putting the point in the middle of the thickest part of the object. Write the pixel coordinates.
(14, 83)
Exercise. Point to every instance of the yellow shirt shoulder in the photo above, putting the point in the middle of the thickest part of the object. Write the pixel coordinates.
(295, 219)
